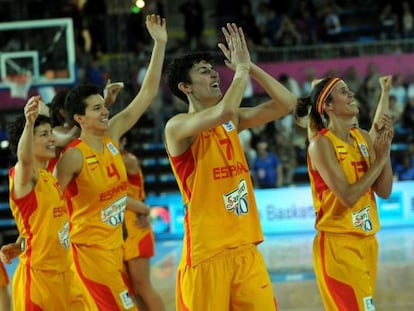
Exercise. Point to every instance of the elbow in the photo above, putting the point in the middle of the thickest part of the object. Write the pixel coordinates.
(227, 114)
(349, 203)
(348, 200)
(384, 194)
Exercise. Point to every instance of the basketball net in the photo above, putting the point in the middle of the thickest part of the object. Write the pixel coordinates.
(19, 85)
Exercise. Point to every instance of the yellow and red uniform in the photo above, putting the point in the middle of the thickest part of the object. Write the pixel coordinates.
(4, 277)
(96, 204)
(42, 277)
(139, 242)
(345, 248)
(221, 227)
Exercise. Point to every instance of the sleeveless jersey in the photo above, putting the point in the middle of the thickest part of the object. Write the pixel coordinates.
(42, 221)
(4, 277)
(97, 196)
(331, 214)
(217, 191)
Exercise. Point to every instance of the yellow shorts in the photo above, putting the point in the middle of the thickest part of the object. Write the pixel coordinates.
(80, 299)
(235, 280)
(4, 278)
(139, 243)
(40, 290)
(101, 271)
(346, 269)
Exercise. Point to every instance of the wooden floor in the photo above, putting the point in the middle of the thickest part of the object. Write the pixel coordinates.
(289, 261)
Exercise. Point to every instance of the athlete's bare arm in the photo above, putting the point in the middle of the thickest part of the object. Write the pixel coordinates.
(126, 119)
(181, 128)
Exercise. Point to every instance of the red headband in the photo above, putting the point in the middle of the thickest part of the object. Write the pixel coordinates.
(325, 92)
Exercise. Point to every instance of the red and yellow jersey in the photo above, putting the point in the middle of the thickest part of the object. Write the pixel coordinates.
(42, 221)
(97, 196)
(139, 242)
(135, 190)
(4, 278)
(217, 191)
(331, 214)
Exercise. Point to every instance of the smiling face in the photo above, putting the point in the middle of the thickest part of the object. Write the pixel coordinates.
(342, 101)
(96, 115)
(44, 142)
(205, 84)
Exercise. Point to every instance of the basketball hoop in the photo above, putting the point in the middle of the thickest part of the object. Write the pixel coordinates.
(19, 84)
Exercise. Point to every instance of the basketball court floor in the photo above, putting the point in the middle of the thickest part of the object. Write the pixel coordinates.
(289, 261)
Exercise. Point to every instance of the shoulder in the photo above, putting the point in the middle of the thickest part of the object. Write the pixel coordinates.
(363, 133)
(176, 120)
(71, 156)
(129, 159)
(319, 143)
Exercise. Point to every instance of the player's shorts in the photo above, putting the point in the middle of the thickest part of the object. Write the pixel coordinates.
(40, 290)
(346, 268)
(139, 242)
(236, 280)
(101, 271)
(80, 299)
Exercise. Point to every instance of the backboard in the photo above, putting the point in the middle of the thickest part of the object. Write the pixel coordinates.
(44, 48)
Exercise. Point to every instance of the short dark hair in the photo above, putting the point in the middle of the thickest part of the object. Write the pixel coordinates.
(179, 68)
(75, 99)
(16, 128)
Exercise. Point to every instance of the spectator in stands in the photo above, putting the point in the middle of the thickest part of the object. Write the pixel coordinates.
(267, 169)
(345, 249)
(331, 23)
(395, 114)
(310, 75)
(399, 90)
(286, 152)
(95, 14)
(389, 22)
(273, 21)
(408, 120)
(306, 22)
(287, 34)
(353, 79)
(193, 12)
(261, 18)
(246, 142)
(404, 168)
(407, 20)
(247, 21)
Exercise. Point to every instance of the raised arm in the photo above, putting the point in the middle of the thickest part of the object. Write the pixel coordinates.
(183, 127)
(125, 119)
(282, 100)
(383, 103)
(23, 174)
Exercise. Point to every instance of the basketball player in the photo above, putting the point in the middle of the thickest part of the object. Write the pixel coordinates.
(42, 277)
(139, 244)
(92, 172)
(221, 267)
(346, 169)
